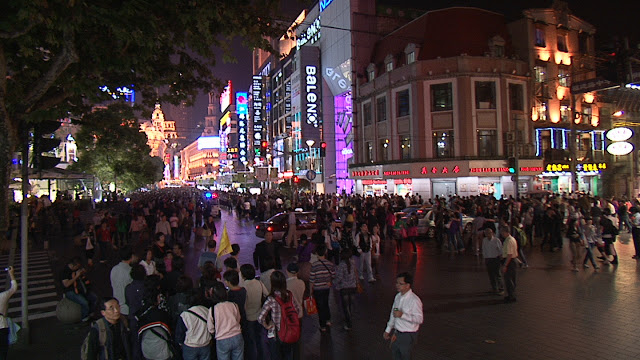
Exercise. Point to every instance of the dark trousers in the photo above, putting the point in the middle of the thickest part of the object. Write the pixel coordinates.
(322, 300)
(4, 343)
(635, 232)
(493, 269)
(510, 279)
(347, 296)
(254, 341)
(280, 350)
(401, 348)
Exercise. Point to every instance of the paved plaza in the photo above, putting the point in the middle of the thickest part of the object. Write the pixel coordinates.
(559, 314)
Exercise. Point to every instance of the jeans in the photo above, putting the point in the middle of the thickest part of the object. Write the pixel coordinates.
(322, 300)
(231, 348)
(401, 348)
(85, 302)
(347, 304)
(589, 255)
(254, 341)
(196, 353)
(365, 264)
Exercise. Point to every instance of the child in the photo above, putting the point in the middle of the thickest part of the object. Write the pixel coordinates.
(375, 249)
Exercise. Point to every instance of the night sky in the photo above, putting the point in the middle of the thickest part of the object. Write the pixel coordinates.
(611, 18)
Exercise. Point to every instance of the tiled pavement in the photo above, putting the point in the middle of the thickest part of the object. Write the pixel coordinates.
(559, 314)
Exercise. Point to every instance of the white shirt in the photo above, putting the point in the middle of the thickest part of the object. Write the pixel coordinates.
(4, 303)
(510, 247)
(491, 248)
(197, 334)
(120, 278)
(412, 316)
(149, 267)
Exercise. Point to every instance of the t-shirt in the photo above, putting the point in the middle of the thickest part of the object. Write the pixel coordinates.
(67, 274)
(255, 292)
(239, 297)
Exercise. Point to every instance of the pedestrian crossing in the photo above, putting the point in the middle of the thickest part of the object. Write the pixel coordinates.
(42, 295)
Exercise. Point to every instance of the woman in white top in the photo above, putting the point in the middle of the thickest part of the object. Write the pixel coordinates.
(224, 323)
(149, 264)
(4, 307)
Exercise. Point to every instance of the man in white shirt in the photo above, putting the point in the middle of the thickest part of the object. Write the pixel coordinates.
(509, 253)
(492, 253)
(121, 277)
(406, 317)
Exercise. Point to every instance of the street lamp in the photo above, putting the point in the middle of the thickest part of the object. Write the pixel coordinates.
(310, 143)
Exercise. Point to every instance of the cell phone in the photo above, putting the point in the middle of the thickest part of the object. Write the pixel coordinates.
(7, 268)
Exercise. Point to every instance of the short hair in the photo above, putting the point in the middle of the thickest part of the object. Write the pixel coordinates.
(105, 300)
(184, 284)
(235, 249)
(408, 278)
(126, 252)
(232, 277)
(303, 238)
(178, 245)
(248, 271)
(75, 261)
(321, 249)
(212, 244)
(231, 262)
(219, 292)
(159, 235)
(138, 272)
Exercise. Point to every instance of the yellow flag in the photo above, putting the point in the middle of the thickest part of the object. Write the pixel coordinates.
(225, 244)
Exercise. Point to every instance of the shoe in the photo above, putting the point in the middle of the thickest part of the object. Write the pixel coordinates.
(361, 277)
(575, 269)
(585, 266)
(328, 323)
(347, 327)
(605, 262)
(614, 262)
(525, 266)
(372, 280)
(500, 293)
(509, 299)
(602, 258)
(323, 329)
(596, 267)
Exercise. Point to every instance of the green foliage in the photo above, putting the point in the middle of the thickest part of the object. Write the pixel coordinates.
(111, 146)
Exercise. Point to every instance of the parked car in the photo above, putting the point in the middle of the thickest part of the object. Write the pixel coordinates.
(279, 224)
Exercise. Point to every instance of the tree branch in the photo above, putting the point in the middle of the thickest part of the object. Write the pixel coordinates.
(67, 57)
(18, 33)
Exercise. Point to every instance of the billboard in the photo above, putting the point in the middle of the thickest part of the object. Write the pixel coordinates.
(225, 97)
(242, 110)
(208, 142)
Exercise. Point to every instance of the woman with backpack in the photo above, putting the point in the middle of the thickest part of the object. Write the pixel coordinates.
(223, 321)
(283, 328)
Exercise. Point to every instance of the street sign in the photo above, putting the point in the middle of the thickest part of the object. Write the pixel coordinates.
(581, 87)
(311, 175)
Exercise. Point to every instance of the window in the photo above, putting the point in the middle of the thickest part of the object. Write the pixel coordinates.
(562, 43)
(498, 50)
(542, 111)
(540, 38)
(381, 109)
(371, 75)
(443, 144)
(487, 143)
(369, 152)
(516, 97)
(587, 114)
(405, 148)
(564, 77)
(389, 66)
(540, 73)
(411, 57)
(366, 114)
(583, 43)
(383, 150)
(485, 95)
(403, 103)
(565, 113)
(545, 142)
(441, 97)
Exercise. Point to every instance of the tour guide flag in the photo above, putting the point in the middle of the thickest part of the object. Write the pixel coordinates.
(225, 245)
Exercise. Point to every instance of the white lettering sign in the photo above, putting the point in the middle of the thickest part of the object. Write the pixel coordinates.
(312, 96)
(310, 34)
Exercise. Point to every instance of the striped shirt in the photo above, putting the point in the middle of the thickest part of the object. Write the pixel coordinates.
(322, 272)
(272, 307)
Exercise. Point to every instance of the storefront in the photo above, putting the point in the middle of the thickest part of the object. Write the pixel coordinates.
(557, 177)
(447, 178)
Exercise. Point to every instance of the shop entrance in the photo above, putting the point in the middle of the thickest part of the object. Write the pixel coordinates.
(444, 188)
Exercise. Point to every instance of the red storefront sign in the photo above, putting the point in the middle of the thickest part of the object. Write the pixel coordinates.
(531, 168)
(443, 170)
(397, 172)
(374, 182)
(402, 181)
(365, 173)
(488, 170)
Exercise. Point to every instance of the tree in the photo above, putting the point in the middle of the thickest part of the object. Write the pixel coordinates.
(112, 147)
(55, 54)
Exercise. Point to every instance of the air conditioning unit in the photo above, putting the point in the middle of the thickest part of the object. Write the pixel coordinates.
(510, 136)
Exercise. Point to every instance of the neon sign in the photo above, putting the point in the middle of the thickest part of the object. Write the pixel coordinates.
(397, 172)
(312, 97)
(365, 173)
(225, 97)
(488, 170)
(324, 4)
(374, 182)
(445, 170)
(402, 181)
(242, 109)
(310, 34)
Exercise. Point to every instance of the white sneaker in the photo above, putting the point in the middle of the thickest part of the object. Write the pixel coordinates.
(361, 277)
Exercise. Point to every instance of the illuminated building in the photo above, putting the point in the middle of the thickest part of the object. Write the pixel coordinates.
(162, 138)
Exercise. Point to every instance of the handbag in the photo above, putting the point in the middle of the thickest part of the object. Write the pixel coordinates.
(310, 306)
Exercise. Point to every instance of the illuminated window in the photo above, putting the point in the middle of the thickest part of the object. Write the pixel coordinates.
(565, 113)
(540, 38)
(405, 148)
(485, 95)
(487, 143)
(562, 43)
(389, 66)
(381, 109)
(564, 77)
(443, 144)
(411, 57)
(587, 114)
(371, 75)
(384, 149)
(369, 151)
(366, 114)
(403, 103)
(540, 74)
(441, 97)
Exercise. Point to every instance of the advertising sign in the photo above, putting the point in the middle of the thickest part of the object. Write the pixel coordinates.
(225, 97)
(242, 110)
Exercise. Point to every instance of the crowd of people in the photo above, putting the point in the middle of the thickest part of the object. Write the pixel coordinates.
(239, 310)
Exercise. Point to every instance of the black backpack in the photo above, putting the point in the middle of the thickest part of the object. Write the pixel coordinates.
(364, 245)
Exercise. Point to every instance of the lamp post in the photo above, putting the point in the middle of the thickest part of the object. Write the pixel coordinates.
(310, 143)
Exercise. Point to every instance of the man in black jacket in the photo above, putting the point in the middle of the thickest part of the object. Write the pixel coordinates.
(114, 341)
(266, 248)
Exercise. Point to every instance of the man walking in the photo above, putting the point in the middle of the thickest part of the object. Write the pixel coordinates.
(406, 317)
(509, 253)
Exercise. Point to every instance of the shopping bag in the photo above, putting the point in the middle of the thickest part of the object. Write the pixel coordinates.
(310, 306)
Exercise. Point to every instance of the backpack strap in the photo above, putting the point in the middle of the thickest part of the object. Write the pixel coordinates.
(196, 315)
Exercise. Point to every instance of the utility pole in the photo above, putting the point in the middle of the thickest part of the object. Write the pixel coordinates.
(24, 231)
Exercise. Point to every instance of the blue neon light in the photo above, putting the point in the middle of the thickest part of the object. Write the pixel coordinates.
(324, 4)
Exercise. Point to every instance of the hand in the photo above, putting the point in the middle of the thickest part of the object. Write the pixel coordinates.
(386, 336)
(397, 313)
(11, 272)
